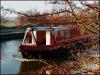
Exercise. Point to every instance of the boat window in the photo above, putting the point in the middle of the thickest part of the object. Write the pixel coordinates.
(62, 32)
(55, 32)
(67, 33)
(58, 35)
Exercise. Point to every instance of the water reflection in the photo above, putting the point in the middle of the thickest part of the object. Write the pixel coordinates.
(8, 64)
(31, 66)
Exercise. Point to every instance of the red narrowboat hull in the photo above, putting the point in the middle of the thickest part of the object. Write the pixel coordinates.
(43, 51)
(39, 48)
(46, 51)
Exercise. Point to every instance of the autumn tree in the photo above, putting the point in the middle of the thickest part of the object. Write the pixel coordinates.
(86, 16)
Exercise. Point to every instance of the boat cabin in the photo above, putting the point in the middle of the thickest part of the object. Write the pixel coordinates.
(49, 35)
(50, 41)
(37, 37)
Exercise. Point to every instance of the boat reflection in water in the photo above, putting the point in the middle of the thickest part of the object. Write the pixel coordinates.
(34, 66)
(30, 67)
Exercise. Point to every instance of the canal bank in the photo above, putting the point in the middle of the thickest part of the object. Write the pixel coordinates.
(7, 34)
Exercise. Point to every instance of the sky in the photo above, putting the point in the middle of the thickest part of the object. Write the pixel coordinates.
(25, 6)
(41, 6)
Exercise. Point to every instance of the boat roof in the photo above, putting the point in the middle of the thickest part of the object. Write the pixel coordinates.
(53, 27)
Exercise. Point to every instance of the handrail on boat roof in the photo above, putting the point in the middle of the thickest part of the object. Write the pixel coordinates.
(59, 27)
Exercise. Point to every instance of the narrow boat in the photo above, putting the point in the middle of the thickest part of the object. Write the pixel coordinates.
(50, 41)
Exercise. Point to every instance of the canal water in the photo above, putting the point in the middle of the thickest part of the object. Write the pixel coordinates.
(8, 64)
